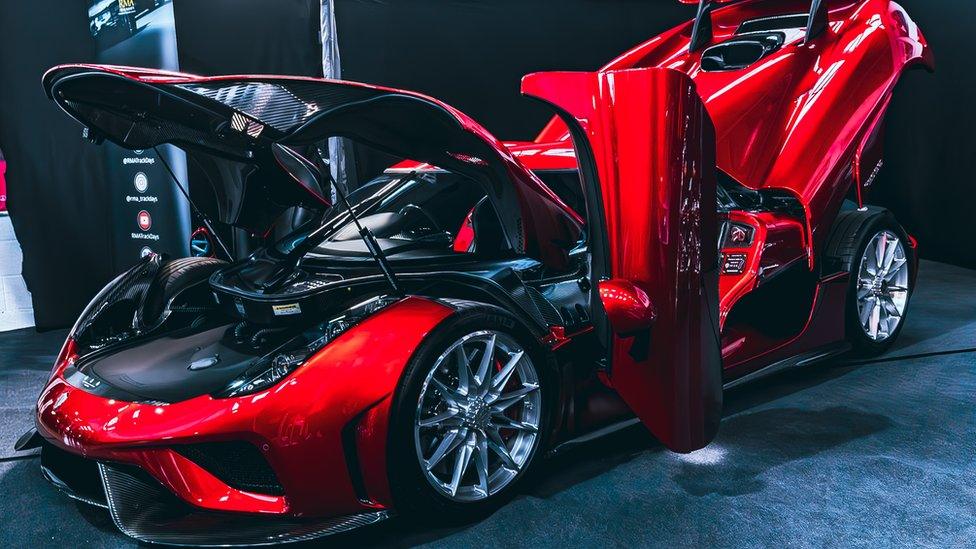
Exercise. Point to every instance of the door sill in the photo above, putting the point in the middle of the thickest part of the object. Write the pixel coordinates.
(811, 357)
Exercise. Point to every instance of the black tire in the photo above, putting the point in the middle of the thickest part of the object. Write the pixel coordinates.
(845, 248)
(173, 277)
(412, 493)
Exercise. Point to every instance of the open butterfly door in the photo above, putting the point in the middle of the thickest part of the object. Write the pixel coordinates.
(647, 153)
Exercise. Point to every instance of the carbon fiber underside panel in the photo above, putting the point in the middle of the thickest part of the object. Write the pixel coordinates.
(142, 509)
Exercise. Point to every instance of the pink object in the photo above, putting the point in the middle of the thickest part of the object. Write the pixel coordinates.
(3, 185)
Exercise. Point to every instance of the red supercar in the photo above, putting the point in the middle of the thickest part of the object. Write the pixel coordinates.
(694, 216)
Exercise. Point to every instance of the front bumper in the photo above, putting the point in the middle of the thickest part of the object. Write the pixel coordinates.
(322, 431)
(143, 509)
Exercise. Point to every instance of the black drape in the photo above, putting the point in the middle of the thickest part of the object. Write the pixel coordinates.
(469, 53)
(249, 36)
(56, 182)
(245, 37)
(472, 54)
(930, 154)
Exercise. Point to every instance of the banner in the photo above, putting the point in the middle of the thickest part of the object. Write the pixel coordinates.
(149, 214)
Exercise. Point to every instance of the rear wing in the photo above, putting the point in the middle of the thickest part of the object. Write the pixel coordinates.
(701, 34)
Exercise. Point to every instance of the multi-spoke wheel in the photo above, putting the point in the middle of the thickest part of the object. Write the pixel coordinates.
(882, 286)
(874, 249)
(471, 416)
(478, 416)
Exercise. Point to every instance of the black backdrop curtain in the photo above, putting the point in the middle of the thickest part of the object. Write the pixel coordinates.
(249, 36)
(245, 37)
(930, 155)
(58, 200)
(57, 195)
(472, 54)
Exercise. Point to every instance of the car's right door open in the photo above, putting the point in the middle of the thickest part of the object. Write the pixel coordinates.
(652, 146)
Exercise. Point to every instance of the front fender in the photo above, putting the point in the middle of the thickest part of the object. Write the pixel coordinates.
(299, 424)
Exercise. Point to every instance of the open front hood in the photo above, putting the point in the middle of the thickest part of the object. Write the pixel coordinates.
(240, 117)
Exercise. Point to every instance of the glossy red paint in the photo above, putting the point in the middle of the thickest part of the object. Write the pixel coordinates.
(746, 350)
(558, 155)
(778, 242)
(298, 423)
(628, 306)
(653, 146)
(807, 119)
(464, 239)
(796, 119)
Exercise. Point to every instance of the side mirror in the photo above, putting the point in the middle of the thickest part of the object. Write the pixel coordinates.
(628, 306)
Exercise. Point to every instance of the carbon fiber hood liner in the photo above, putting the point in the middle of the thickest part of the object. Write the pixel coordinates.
(281, 105)
(142, 509)
(239, 119)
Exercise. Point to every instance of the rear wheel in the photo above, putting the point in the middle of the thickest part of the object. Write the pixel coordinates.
(873, 248)
(882, 286)
(470, 417)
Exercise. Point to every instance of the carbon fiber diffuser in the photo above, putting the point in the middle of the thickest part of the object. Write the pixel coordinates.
(142, 509)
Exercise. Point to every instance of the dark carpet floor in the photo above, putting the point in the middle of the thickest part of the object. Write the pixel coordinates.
(874, 454)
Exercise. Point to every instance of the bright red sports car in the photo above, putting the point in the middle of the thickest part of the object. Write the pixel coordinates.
(694, 216)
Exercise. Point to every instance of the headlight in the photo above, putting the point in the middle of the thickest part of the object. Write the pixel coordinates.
(271, 369)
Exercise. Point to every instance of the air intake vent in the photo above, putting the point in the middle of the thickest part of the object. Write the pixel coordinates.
(777, 23)
(238, 464)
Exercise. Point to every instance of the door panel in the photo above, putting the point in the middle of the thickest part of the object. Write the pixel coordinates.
(653, 147)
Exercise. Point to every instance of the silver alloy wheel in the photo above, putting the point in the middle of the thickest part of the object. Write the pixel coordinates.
(882, 286)
(479, 405)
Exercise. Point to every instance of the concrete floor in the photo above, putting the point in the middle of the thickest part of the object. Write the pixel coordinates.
(834, 455)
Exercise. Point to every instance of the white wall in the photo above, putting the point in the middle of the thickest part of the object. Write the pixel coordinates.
(15, 300)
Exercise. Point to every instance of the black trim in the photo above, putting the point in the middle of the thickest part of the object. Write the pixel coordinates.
(774, 23)
(73, 475)
(701, 32)
(143, 509)
(350, 452)
(804, 359)
(29, 440)
(596, 228)
(817, 21)
(237, 464)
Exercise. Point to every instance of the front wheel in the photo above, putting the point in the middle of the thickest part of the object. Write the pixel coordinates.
(470, 417)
